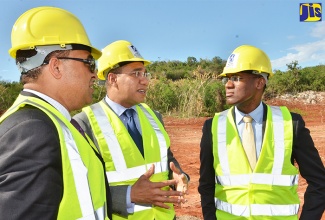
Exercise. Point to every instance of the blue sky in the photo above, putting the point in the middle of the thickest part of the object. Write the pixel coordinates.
(176, 29)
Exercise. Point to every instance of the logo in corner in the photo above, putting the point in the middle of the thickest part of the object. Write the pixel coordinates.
(310, 12)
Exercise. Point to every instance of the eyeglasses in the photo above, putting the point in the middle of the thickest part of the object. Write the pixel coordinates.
(90, 62)
(139, 74)
(234, 79)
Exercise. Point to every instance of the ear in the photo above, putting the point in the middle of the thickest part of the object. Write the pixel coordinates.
(54, 68)
(260, 83)
(111, 78)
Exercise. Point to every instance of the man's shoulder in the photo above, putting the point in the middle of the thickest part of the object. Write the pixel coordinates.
(81, 117)
(157, 113)
(28, 119)
(83, 121)
(27, 113)
(80, 114)
(208, 122)
(295, 116)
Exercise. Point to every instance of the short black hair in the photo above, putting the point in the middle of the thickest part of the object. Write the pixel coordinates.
(81, 47)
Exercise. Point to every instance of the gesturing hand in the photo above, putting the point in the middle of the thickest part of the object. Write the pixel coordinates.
(182, 181)
(146, 192)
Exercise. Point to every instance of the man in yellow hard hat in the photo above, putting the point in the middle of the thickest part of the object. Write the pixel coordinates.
(248, 152)
(48, 170)
(132, 139)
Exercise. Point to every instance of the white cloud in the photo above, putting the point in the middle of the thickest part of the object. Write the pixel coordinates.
(319, 30)
(305, 54)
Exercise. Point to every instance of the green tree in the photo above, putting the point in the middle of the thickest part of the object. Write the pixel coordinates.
(8, 94)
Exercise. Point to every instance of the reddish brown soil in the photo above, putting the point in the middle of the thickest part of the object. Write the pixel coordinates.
(185, 137)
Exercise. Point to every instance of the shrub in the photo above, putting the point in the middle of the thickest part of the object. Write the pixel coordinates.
(214, 97)
(162, 96)
(8, 94)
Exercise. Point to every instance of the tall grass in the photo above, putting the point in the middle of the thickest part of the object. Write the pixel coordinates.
(200, 95)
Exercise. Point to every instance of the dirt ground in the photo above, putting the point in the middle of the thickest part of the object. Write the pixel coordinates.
(185, 135)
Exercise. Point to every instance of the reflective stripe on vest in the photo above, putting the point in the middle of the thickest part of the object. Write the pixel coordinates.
(161, 140)
(244, 182)
(79, 170)
(81, 181)
(257, 209)
(79, 173)
(274, 178)
(121, 172)
(103, 121)
(130, 173)
(258, 178)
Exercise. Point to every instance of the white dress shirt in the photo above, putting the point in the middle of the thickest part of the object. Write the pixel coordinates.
(53, 102)
(257, 124)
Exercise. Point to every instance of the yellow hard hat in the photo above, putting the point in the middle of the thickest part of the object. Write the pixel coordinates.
(48, 26)
(115, 53)
(247, 57)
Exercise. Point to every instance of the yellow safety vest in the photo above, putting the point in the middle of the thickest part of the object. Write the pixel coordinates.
(124, 162)
(270, 190)
(84, 194)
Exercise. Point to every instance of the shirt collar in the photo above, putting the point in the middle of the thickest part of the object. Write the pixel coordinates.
(117, 108)
(257, 114)
(53, 102)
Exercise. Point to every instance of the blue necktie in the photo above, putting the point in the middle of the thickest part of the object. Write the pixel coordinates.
(133, 131)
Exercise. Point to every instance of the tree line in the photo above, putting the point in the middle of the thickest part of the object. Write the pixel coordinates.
(192, 88)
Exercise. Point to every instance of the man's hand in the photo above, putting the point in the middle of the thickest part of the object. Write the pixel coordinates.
(182, 181)
(146, 192)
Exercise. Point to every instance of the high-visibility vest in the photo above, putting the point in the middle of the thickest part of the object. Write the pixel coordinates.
(270, 190)
(84, 194)
(124, 162)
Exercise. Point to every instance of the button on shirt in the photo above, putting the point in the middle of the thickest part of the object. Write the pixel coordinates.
(257, 124)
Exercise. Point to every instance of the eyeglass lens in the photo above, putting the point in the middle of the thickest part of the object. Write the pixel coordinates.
(141, 74)
(90, 62)
(224, 80)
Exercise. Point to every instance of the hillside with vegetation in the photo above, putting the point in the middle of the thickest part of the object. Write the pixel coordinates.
(192, 88)
(187, 93)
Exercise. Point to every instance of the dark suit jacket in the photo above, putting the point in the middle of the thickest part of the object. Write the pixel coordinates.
(303, 152)
(31, 182)
(119, 192)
